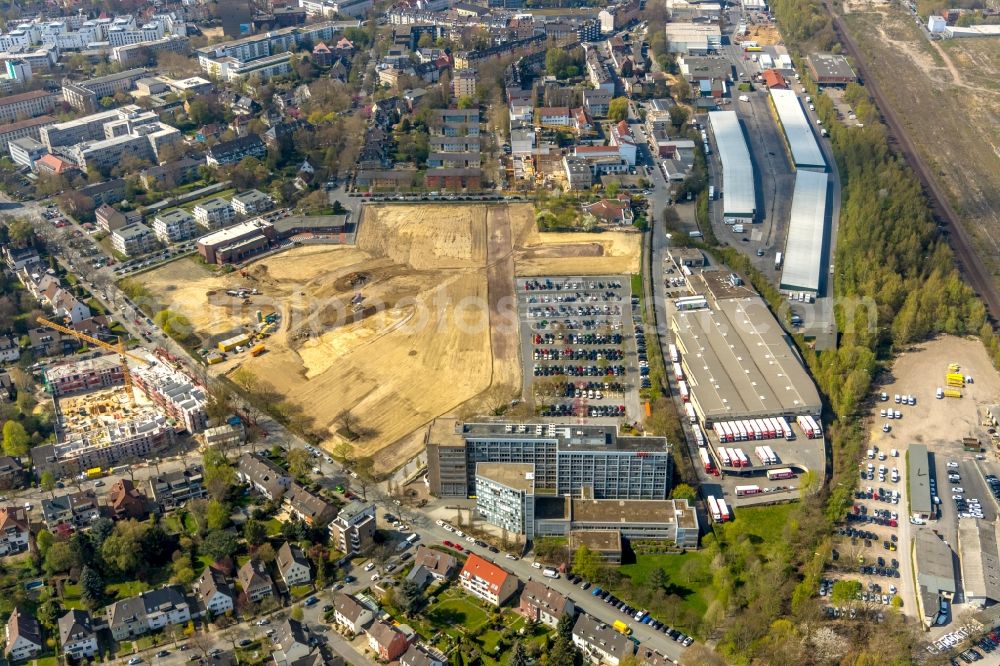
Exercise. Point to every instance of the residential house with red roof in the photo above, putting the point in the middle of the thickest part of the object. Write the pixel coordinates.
(14, 530)
(389, 642)
(487, 581)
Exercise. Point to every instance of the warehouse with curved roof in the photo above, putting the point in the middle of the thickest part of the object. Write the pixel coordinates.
(799, 134)
(739, 200)
(803, 267)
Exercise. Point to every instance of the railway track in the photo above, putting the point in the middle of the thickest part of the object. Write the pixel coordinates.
(969, 263)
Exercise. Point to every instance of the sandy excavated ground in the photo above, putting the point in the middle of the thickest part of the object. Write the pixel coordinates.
(438, 325)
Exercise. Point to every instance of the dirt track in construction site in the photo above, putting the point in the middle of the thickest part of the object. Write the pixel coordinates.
(416, 321)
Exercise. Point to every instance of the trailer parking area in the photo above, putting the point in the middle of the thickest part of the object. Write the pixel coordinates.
(583, 347)
(940, 424)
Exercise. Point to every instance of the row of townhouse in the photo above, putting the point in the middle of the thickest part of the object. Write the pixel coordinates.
(46, 288)
(275, 483)
(387, 640)
(123, 500)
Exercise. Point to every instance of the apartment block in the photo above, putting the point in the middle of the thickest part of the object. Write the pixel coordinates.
(174, 225)
(487, 581)
(174, 393)
(134, 239)
(463, 83)
(252, 202)
(230, 152)
(174, 489)
(88, 375)
(353, 530)
(214, 213)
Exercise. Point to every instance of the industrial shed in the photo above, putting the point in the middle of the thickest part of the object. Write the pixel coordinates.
(980, 559)
(804, 266)
(935, 570)
(830, 69)
(740, 364)
(920, 491)
(739, 199)
(798, 133)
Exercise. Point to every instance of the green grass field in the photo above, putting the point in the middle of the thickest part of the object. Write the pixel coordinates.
(127, 589)
(456, 614)
(71, 596)
(761, 526)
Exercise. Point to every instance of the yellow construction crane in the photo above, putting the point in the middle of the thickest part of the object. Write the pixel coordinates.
(119, 349)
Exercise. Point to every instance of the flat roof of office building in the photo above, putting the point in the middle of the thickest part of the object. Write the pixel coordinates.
(519, 476)
(798, 131)
(803, 265)
(831, 66)
(741, 363)
(598, 540)
(452, 432)
(633, 512)
(738, 195)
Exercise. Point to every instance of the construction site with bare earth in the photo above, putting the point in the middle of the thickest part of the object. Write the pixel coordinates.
(417, 320)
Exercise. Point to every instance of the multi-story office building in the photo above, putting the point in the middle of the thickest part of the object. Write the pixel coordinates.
(330, 8)
(97, 126)
(26, 105)
(505, 496)
(566, 458)
(23, 129)
(133, 239)
(26, 151)
(143, 142)
(214, 213)
(131, 55)
(233, 70)
(174, 225)
(85, 95)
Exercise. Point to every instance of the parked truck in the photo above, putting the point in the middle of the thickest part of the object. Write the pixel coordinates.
(713, 509)
(705, 459)
(622, 628)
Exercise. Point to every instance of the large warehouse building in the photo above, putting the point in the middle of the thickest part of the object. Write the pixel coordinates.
(980, 560)
(801, 140)
(740, 364)
(804, 250)
(739, 200)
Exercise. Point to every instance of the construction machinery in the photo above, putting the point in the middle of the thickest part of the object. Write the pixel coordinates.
(118, 349)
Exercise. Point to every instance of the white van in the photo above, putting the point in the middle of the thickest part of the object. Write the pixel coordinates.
(550, 573)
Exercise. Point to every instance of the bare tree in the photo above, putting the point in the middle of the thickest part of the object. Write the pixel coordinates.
(202, 642)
